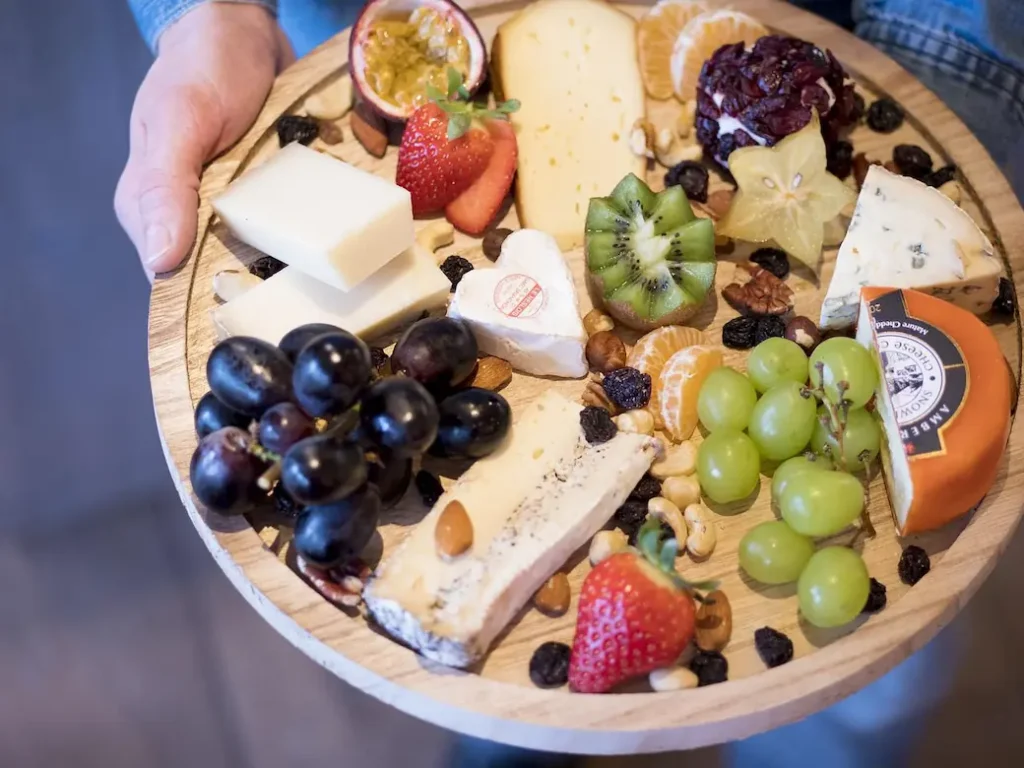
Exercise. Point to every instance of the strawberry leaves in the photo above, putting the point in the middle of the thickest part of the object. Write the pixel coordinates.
(461, 111)
(662, 555)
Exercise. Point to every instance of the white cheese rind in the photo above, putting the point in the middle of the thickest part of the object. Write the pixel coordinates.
(905, 234)
(404, 288)
(532, 504)
(331, 220)
(526, 310)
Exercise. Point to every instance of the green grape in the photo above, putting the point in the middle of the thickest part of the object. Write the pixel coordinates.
(774, 361)
(773, 553)
(728, 466)
(792, 467)
(845, 360)
(834, 587)
(861, 436)
(821, 503)
(783, 421)
(725, 401)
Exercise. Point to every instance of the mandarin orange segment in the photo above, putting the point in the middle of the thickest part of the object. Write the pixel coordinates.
(656, 36)
(702, 36)
(653, 350)
(680, 383)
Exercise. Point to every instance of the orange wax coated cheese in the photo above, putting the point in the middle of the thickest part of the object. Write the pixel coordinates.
(945, 400)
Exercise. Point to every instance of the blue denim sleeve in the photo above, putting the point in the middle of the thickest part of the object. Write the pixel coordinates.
(154, 16)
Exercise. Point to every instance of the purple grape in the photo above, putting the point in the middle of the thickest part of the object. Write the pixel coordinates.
(211, 415)
(331, 372)
(322, 469)
(249, 375)
(399, 414)
(297, 338)
(282, 426)
(438, 352)
(223, 472)
(473, 424)
(391, 475)
(330, 534)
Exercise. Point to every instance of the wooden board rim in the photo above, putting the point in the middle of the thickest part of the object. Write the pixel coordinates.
(541, 719)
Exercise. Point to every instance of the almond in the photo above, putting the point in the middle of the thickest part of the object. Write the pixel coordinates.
(454, 532)
(369, 130)
(713, 625)
(492, 373)
(553, 598)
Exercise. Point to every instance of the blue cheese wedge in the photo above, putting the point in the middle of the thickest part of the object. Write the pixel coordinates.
(531, 504)
(905, 234)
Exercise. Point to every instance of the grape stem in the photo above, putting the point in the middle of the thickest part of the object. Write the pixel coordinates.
(269, 479)
(268, 456)
(865, 515)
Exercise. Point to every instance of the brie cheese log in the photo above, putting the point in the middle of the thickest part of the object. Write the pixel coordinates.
(533, 503)
(905, 234)
(526, 310)
(400, 291)
(331, 220)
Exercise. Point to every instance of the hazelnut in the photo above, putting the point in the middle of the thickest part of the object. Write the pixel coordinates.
(493, 240)
(804, 332)
(597, 321)
(606, 352)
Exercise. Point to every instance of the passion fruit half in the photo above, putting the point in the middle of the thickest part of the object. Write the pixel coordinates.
(398, 47)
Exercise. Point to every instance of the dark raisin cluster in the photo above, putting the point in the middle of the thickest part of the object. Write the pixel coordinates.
(628, 388)
(840, 159)
(284, 504)
(911, 160)
(1006, 302)
(265, 267)
(549, 665)
(629, 517)
(710, 667)
(429, 487)
(885, 116)
(769, 327)
(597, 424)
(942, 176)
(774, 648)
(876, 597)
(738, 333)
(646, 489)
(774, 260)
(913, 565)
(692, 177)
(297, 128)
(455, 268)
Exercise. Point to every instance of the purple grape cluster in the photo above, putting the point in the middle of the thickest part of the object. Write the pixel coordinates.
(771, 90)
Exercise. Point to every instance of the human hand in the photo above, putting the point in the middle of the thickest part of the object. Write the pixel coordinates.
(213, 71)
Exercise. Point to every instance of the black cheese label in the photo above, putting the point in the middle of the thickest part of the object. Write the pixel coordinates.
(925, 374)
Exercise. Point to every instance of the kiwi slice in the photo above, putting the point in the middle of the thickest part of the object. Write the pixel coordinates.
(649, 257)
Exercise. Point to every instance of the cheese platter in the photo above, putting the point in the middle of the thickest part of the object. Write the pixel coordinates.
(476, 349)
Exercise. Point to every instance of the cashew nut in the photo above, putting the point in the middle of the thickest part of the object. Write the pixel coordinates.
(639, 421)
(678, 460)
(678, 152)
(672, 679)
(605, 544)
(229, 284)
(702, 539)
(684, 123)
(664, 510)
(681, 490)
(597, 321)
(437, 234)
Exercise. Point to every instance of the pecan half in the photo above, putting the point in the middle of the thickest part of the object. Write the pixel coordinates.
(342, 585)
(762, 294)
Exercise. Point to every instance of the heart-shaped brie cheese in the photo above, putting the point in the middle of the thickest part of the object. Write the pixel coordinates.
(525, 310)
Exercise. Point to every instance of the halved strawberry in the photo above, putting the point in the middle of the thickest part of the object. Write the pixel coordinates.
(475, 208)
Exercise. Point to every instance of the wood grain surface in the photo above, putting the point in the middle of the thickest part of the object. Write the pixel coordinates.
(496, 701)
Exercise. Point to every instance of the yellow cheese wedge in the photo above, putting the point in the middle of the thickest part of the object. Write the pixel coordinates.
(944, 399)
(573, 66)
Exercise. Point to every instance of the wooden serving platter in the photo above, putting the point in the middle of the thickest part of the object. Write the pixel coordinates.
(496, 700)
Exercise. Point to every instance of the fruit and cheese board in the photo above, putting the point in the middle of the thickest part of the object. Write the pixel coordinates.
(599, 377)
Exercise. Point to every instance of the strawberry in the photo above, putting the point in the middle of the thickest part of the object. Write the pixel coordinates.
(636, 614)
(448, 144)
(475, 208)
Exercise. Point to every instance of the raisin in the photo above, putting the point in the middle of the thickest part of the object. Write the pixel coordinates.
(646, 489)
(710, 667)
(942, 176)
(913, 565)
(549, 665)
(692, 177)
(885, 116)
(628, 388)
(772, 259)
(297, 128)
(858, 107)
(455, 268)
(840, 159)
(774, 648)
(597, 424)
(876, 597)
(284, 503)
(769, 327)
(380, 360)
(1006, 302)
(629, 517)
(738, 333)
(911, 160)
(430, 487)
(265, 267)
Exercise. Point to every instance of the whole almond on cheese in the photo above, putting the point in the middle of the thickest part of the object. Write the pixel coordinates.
(454, 532)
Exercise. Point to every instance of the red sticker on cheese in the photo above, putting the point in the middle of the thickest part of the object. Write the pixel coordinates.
(519, 296)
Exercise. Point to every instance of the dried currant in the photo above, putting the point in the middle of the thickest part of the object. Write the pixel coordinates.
(1006, 302)
(429, 487)
(597, 424)
(913, 565)
(773, 647)
(857, 112)
(455, 268)
(710, 667)
(646, 489)
(769, 327)
(772, 259)
(284, 503)
(738, 333)
(943, 175)
(297, 128)
(876, 597)
(630, 517)
(549, 665)
(266, 266)
(911, 160)
(628, 388)
(380, 361)
(885, 116)
(692, 177)
(840, 159)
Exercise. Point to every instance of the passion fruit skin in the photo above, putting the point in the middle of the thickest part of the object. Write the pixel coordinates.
(376, 9)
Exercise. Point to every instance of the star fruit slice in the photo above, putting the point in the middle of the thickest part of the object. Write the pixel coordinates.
(785, 194)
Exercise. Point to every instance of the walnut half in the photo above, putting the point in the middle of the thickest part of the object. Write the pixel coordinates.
(762, 294)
